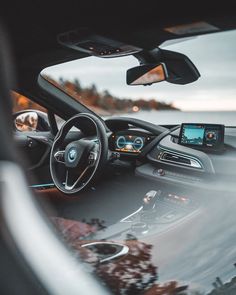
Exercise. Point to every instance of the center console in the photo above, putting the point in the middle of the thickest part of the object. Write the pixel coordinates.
(158, 212)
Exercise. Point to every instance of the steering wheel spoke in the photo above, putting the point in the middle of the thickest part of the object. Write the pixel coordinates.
(70, 185)
(59, 156)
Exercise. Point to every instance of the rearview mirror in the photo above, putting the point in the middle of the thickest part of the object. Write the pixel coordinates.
(146, 74)
(162, 65)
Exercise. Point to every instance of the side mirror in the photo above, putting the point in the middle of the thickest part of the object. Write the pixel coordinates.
(147, 74)
(28, 121)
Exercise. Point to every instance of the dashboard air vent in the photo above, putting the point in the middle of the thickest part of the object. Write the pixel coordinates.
(175, 158)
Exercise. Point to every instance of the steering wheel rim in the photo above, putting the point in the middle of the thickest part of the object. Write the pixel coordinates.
(92, 155)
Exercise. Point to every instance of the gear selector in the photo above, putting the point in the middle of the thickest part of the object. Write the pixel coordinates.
(144, 213)
(148, 213)
(149, 201)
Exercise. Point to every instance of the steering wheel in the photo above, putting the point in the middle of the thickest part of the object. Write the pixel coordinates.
(74, 165)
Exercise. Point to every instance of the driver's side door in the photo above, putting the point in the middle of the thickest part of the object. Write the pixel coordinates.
(33, 135)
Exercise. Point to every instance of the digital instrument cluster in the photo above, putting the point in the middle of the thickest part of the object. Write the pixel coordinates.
(202, 136)
(128, 142)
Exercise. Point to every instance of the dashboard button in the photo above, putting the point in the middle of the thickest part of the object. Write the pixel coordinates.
(115, 155)
(160, 172)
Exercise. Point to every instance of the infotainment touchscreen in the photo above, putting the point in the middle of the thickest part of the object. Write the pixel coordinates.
(202, 136)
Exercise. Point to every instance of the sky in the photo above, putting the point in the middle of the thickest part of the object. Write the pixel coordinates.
(214, 55)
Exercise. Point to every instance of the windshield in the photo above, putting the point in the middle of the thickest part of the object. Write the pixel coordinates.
(100, 84)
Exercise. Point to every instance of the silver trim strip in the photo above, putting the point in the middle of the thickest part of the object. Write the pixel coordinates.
(124, 250)
(195, 163)
(126, 219)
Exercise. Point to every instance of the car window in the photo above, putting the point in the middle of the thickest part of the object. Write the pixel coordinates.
(21, 102)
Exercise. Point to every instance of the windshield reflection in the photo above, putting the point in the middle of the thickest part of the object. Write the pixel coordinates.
(195, 249)
(133, 274)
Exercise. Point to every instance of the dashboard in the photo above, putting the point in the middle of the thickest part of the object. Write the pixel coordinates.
(191, 154)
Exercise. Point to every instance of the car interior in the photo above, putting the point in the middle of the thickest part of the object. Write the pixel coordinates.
(97, 204)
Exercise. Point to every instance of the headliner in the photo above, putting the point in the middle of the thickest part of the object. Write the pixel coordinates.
(33, 28)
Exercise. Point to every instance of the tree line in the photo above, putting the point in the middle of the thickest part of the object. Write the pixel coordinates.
(103, 102)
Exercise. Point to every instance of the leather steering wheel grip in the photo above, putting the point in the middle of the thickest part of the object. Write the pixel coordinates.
(85, 119)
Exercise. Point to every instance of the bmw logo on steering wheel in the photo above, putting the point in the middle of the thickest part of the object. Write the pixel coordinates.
(72, 155)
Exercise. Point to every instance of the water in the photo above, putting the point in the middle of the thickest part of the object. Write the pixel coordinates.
(176, 117)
